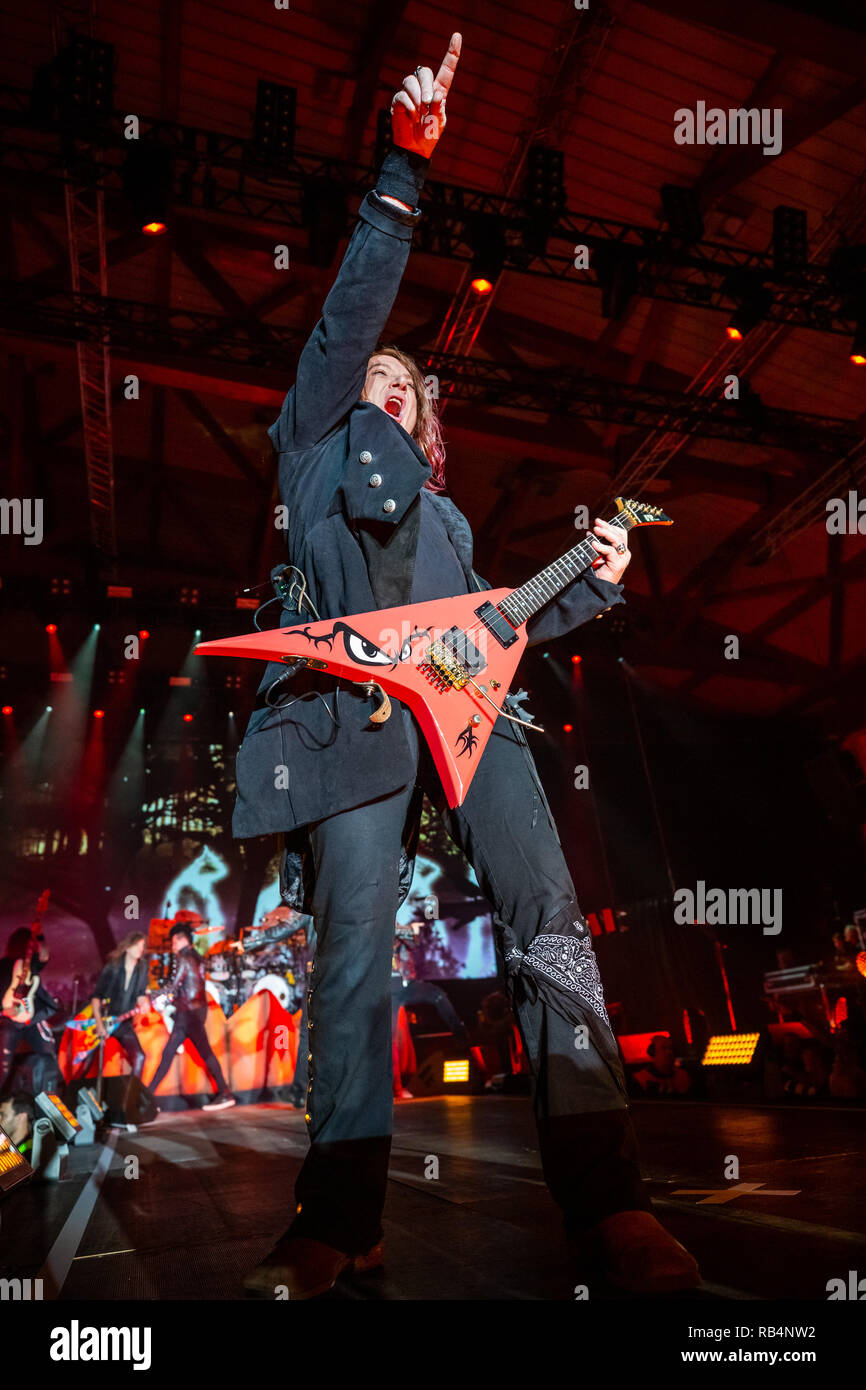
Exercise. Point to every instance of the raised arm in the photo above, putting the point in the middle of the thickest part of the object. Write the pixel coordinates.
(333, 365)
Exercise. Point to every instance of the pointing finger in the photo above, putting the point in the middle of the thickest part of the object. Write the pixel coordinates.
(449, 63)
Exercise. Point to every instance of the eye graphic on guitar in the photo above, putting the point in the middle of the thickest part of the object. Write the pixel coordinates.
(451, 660)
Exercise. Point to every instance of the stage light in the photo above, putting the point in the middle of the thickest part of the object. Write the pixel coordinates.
(99, 714)
(577, 659)
(51, 628)
(48, 709)
(730, 1050)
(455, 1071)
(858, 347)
(144, 634)
(274, 120)
(616, 269)
(14, 1168)
(487, 240)
(97, 627)
(60, 1116)
(187, 719)
(7, 709)
(754, 303)
(860, 962)
(148, 171)
(682, 212)
(790, 240)
(568, 728)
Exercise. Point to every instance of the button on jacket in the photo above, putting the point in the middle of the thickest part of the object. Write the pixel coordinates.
(350, 479)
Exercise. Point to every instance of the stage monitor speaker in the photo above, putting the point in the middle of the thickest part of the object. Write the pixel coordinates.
(126, 1103)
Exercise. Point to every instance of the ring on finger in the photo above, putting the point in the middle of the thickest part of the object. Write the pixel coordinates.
(620, 550)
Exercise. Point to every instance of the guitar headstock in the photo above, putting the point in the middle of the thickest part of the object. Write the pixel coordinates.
(635, 513)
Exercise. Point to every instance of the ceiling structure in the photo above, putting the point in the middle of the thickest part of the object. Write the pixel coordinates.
(550, 404)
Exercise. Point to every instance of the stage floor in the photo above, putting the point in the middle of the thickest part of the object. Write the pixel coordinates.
(213, 1190)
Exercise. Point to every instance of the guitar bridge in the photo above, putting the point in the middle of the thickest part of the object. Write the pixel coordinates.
(451, 660)
(442, 668)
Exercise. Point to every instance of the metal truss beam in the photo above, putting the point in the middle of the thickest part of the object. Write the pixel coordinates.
(246, 187)
(182, 333)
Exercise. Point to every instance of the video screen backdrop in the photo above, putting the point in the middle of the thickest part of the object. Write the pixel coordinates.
(152, 836)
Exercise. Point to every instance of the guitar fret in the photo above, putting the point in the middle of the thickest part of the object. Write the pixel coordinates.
(522, 603)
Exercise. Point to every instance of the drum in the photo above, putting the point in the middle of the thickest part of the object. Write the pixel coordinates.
(216, 994)
(278, 986)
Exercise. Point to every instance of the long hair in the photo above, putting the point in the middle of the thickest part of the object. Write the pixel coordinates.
(428, 430)
(124, 944)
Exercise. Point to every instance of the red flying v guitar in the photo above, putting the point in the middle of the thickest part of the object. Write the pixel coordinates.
(451, 661)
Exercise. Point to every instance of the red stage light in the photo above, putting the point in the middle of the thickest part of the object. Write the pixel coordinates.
(734, 333)
(153, 228)
(858, 359)
(99, 714)
(187, 719)
(577, 660)
(7, 709)
(144, 634)
(482, 286)
(51, 627)
(567, 728)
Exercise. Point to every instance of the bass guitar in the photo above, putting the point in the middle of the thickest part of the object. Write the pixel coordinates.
(18, 1001)
(451, 660)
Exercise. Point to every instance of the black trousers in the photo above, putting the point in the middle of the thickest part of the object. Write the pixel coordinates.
(128, 1039)
(588, 1150)
(189, 1027)
(44, 1068)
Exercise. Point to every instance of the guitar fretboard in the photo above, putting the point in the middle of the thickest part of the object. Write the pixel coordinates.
(523, 602)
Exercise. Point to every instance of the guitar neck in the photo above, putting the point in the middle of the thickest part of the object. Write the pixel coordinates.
(522, 603)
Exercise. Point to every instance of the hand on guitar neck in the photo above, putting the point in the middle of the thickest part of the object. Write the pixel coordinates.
(18, 1003)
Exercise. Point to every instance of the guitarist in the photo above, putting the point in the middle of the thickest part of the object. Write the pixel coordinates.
(370, 525)
(190, 1000)
(20, 1024)
(122, 987)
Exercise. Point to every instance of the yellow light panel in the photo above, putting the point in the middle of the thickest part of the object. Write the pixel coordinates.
(730, 1049)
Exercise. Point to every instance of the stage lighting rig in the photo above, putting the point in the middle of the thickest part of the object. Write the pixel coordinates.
(487, 239)
(52, 1135)
(753, 303)
(543, 196)
(78, 83)
(147, 181)
(616, 269)
(790, 240)
(274, 122)
(14, 1168)
(682, 212)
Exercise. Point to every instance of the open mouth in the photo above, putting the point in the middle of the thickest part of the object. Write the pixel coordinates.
(394, 406)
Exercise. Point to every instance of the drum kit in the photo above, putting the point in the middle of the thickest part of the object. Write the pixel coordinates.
(271, 956)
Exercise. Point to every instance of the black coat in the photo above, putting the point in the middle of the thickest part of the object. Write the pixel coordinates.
(319, 753)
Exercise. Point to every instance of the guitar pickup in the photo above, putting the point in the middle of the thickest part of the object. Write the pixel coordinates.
(470, 658)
